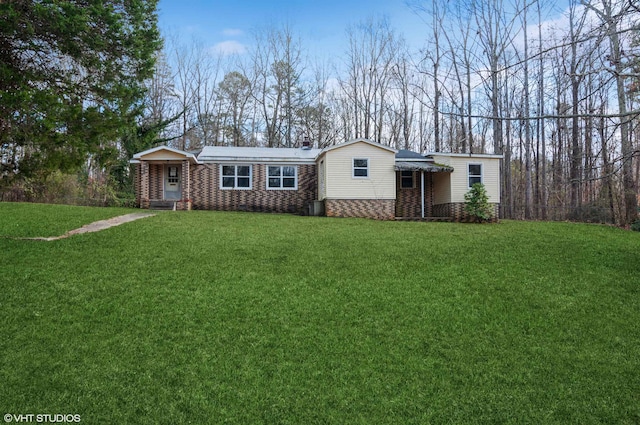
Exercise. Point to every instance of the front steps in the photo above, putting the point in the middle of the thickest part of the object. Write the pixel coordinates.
(162, 205)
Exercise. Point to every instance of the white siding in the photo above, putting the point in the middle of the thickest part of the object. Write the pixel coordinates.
(441, 188)
(459, 181)
(340, 183)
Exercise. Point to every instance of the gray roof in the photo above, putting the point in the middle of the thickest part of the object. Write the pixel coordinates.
(429, 167)
(250, 154)
(409, 155)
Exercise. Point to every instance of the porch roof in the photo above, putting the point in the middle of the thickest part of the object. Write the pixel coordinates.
(429, 167)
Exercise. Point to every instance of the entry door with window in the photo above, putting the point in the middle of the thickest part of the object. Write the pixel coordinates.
(172, 186)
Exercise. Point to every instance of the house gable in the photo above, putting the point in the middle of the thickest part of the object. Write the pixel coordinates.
(164, 153)
(343, 168)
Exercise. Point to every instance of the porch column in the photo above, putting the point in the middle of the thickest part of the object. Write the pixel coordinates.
(422, 192)
(186, 185)
(144, 184)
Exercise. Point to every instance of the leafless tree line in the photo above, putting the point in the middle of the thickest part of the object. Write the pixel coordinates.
(557, 98)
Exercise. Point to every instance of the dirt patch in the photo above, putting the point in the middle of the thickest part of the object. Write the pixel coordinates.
(96, 226)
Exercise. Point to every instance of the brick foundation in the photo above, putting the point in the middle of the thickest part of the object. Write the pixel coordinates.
(457, 213)
(380, 209)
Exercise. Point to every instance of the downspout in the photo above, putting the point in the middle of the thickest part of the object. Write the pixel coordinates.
(422, 192)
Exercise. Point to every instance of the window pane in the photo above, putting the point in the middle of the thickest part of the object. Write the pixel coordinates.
(288, 171)
(407, 182)
(243, 170)
(227, 181)
(274, 171)
(288, 182)
(475, 169)
(359, 162)
(360, 172)
(228, 170)
(274, 182)
(474, 180)
(407, 174)
(243, 181)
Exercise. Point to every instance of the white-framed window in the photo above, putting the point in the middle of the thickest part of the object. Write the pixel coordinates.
(283, 177)
(406, 180)
(360, 168)
(474, 174)
(235, 177)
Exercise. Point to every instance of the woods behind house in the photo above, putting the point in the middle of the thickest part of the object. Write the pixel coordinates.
(554, 91)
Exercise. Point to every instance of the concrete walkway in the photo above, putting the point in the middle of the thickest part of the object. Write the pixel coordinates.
(96, 226)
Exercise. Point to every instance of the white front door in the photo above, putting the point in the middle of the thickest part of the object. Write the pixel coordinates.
(172, 184)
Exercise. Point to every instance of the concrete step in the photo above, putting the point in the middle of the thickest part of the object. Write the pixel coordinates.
(162, 205)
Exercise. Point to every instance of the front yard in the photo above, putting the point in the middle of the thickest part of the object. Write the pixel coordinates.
(211, 317)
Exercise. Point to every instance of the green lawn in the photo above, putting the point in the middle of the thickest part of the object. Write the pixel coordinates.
(242, 318)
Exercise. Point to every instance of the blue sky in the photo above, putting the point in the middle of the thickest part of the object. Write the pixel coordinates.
(321, 24)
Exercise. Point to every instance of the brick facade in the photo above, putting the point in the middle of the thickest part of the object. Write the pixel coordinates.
(206, 193)
(380, 209)
(156, 184)
(408, 202)
(457, 213)
(141, 183)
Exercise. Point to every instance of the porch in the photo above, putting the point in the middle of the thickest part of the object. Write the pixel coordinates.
(416, 185)
(164, 185)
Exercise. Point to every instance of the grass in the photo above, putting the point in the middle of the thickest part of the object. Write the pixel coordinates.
(211, 317)
(34, 220)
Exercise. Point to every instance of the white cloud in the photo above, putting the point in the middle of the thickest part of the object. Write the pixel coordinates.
(229, 47)
(232, 32)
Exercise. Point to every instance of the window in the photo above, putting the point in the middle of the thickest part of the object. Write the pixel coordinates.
(475, 174)
(282, 177)
(360, 167)
(236, 177)
(173, 175)
(406, 180)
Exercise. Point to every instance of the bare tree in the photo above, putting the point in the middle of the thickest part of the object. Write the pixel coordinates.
(161, 97)
(205, 71)
(278, 65)
(612, 15)
(183, 58)
(373, 46)
(235, 94)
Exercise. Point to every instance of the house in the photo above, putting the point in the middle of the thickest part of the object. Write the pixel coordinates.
(358, 178)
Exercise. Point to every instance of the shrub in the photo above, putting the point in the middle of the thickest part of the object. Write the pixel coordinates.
(635, 226)
(477, 203)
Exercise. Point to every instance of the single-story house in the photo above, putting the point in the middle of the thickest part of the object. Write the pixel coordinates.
(358, 178)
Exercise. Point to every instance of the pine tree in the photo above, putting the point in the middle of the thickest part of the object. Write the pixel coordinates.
(477, 203)
(71, 80)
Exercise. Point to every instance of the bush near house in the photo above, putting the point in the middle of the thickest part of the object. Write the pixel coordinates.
(245, 318)
(477, 203)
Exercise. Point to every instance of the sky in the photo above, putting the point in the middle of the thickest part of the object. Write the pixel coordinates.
(227, 25)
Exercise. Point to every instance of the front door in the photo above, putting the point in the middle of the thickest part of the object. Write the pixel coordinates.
(172, 184)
